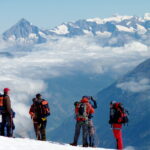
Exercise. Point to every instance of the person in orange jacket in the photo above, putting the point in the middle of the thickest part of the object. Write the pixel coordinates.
(82, 111)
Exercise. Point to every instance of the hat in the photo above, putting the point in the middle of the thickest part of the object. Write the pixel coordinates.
(113, 102)
(85, 97)
(6, 89)
(38, 95)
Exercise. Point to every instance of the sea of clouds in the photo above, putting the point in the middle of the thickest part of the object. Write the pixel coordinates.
(25, 73)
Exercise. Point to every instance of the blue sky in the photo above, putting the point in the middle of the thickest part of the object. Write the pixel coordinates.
(50, 13)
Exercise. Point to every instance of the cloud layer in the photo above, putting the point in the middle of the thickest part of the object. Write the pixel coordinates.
(25, 73)
(135, 86)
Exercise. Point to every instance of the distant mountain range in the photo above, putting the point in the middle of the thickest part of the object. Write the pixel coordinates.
(114, 31)
(133, 91)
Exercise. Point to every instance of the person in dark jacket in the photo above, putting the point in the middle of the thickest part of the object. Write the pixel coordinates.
(39, 121)
(13, 125)
(7, 115)
(33, 113)
(91, 128)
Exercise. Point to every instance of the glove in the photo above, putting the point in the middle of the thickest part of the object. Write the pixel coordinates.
(33, 116)
(90, 116)
(110, 122)
(92, 99)
(75, 103)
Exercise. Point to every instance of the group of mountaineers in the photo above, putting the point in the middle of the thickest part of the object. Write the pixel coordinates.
(84, 111)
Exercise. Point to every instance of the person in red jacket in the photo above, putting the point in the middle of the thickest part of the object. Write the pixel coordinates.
(82, 111)
(115, 121)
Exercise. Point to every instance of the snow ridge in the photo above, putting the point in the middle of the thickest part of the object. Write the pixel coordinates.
(122, 28)
(28, 144)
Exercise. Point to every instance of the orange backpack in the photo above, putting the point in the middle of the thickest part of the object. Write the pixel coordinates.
(44, 110)
(1, 103)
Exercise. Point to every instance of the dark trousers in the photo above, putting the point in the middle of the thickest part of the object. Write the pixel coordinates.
(40, 129)
(6, 126)
(78, 127)
(91, 133)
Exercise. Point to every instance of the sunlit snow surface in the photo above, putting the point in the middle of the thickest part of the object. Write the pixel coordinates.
(28, 144)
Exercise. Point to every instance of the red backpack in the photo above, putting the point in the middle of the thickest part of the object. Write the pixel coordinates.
(119, 114)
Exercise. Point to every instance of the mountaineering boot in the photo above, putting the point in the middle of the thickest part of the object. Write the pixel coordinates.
(73, 144)
(85, 145)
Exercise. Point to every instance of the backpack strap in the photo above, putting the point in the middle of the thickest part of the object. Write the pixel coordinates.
(1, 101)
(44, 102)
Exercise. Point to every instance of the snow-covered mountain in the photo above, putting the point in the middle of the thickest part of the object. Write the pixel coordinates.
(113, 31)
(24, 32)
(133, 91)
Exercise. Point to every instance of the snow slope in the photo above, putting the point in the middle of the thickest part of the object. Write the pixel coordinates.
(28, 144)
